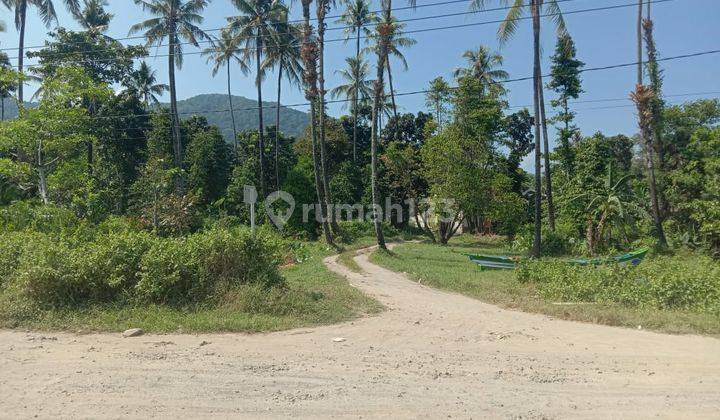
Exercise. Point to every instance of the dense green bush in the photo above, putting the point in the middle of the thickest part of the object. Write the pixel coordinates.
(198, 266)
(354, 229)
(27, 215)
(136, 266)
(690, 283)
(552, 243)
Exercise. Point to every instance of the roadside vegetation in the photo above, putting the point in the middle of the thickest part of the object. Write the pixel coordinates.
(679, 294)
(115, 211)
(61, 273)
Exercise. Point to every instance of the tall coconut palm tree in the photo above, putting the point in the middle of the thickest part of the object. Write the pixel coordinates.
(507, 29)
(322, 7)
(356, 17)
(93, 17)
(357, 89)
(253, 27)
(309, 53)
(144, 83)
(384, 31)
(223, 52)
(484, 66)
(174, 20)
(639, 30)
(396, 41)
(46, 10)
(283, 53)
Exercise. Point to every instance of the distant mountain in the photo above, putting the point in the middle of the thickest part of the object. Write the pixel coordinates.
(292, 122)
(11, 110)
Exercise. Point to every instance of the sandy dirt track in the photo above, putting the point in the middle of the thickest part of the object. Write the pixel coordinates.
(431, 354)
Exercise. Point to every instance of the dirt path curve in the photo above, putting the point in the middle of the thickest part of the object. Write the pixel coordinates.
(431, 354)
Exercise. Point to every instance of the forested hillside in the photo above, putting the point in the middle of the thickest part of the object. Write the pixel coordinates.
(293, 121)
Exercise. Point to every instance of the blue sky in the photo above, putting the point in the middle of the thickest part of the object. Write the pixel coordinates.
(602, 38)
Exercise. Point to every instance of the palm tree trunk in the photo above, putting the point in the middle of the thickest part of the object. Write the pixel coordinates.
(546, 145)
(232, 111)
(639, 44)
(261, 126)
(392, 98)
(378, 96)
(21, 50)
(175, 123)
(392, 89)
(309, 77)
(357, 94)
(321, 116)
(277, 128)
(652, 187)
(535, 252)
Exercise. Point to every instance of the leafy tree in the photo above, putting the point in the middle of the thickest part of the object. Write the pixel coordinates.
(355, 18)
(460, 163)
(519, 141)
(595, 158)
(223, 52)
(7, 84)
(103, 59)
(507, 29)
(610, 207)
(565, 81)
(437, 98)
(362, 147)
(46, 139)
(46, 10)
(681, 122)
(407, 129)
(253, 28)
(176, 21)
(209, 164)
(338, 150)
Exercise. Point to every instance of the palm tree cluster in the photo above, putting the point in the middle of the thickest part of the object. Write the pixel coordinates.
(259, 38)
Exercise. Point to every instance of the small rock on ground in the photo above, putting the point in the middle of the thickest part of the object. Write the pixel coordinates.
(133, 332)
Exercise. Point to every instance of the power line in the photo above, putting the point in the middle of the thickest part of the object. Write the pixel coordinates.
(424, 91)
(126, 130)
(327, 17)
(588, 101)
(459, 26)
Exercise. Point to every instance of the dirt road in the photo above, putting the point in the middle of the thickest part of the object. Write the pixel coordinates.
(431, 354)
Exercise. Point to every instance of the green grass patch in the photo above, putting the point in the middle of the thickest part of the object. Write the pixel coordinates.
(446, 268)
(311, 295)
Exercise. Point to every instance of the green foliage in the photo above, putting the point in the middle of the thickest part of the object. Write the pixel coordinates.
(687, 283)
(208, 161)
(136, 266)
(695, 187)
(200, 266)
(565, 81)
(102, 58)
(553, 243)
